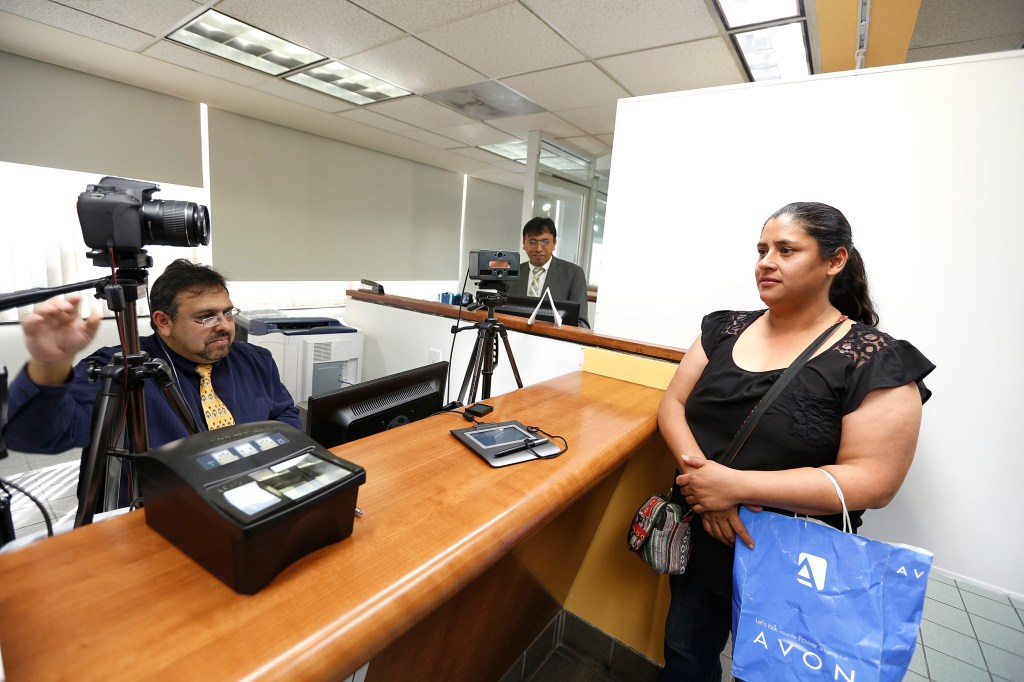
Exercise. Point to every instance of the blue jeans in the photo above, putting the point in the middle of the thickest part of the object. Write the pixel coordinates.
(696, 631)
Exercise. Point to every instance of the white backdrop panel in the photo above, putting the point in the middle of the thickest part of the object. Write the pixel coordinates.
(924, 160)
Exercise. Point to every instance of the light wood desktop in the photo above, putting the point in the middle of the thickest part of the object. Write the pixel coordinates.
(114, 600)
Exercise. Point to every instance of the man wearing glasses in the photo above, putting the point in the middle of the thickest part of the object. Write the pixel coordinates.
(51, 402)
(566, 280)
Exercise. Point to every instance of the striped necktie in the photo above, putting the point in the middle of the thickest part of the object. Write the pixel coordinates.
(215, 411)
(535, 282)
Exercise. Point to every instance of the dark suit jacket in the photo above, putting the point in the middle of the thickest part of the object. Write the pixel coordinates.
(566, 280)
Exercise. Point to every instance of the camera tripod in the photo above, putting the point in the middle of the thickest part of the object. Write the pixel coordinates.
(123, 382)
(485, 350)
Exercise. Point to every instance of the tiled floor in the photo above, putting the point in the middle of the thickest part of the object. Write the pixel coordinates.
(968, 632)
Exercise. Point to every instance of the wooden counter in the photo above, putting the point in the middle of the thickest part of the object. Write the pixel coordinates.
(579, 335)
(114, 600)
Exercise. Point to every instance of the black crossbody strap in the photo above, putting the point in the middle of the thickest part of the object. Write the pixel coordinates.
(751, 421)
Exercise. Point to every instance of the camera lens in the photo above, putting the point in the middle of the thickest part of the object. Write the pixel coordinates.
(175, 223)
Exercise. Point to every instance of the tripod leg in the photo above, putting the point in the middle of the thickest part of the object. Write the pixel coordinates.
(488, 370)
(472, 371)
(109, 405)
(511, 358)
(478, 368)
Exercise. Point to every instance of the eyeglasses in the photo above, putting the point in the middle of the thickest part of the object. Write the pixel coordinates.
(539, 242)
(213, 320)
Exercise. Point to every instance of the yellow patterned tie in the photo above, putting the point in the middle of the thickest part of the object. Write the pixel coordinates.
(216, 412)
(535, 282)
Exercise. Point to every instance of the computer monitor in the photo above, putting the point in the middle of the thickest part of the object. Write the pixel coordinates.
(376, 405)
(523, 306)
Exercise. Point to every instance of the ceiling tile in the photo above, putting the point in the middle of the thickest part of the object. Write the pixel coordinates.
(414, 65)
(419, 16)
(155, 17)
(492, 159)
(307, 96)
(607, 139)
(207, 64)
(589, 144)
(333, 28)
(375, 120)
(420, 112)
(520, 126)
(594, 120)
(567, 87)
(971, 47)
(513, 179)
(605, 27)
(79, 23)
(700, 64)
(432, 139)
(502, 42)
(940, 22)
(476, 134)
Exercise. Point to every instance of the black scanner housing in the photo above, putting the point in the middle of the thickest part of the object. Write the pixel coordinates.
(184, 503)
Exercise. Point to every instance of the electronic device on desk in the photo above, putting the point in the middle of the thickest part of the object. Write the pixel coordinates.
(246, 501)
(376, 405)
(505, 443)
(313, 354)
(523, 306)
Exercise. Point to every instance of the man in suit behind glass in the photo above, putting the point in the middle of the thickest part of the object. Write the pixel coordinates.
(566, 280)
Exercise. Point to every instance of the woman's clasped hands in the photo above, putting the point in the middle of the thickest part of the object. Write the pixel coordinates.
(710, 490)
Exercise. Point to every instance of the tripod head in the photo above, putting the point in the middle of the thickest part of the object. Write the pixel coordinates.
(491, 298)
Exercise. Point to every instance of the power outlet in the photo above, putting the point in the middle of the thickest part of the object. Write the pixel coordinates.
(435, 355)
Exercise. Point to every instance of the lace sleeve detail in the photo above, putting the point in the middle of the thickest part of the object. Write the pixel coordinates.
(862, 346)
(878, 360)
(718, 325)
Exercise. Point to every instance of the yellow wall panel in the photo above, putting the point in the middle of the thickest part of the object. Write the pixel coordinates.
(635, 369)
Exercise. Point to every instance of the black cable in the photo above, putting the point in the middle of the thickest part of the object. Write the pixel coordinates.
(565, 443)
(454, 409)
(451, 351)
(46, 517)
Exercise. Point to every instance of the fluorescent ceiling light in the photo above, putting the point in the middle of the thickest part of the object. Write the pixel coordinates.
(561, 162)
(746, 12)
(343, 81)
(778, 52)
(555, 160)
(549, 156)
(510, 150)
(220, 35)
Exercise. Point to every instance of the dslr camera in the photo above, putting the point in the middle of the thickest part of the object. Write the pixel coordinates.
(493, 266)
(121, 214)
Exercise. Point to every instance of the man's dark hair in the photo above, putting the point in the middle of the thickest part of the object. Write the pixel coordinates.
(183, 275)
(540, 225)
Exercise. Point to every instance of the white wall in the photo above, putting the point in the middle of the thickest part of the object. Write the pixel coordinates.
(924, 160)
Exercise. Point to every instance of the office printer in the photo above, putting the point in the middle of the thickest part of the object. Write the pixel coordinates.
(314, 355)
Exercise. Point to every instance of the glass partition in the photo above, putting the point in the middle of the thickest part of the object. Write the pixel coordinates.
(560, 185)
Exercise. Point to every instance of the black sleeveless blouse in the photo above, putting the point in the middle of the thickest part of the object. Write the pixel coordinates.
(802, 428)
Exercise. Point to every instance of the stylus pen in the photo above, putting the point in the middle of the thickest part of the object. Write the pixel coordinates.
(525, 445)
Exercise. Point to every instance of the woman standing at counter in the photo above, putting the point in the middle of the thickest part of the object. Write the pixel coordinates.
(854, 409)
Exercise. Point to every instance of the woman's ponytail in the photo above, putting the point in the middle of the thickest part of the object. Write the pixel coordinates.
(830, 228)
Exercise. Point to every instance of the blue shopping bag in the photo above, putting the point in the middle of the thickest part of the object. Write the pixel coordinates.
(814, 603)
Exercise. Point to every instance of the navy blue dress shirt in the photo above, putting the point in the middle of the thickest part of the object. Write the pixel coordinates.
(52, 419)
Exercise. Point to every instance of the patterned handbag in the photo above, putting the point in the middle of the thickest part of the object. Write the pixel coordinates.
(660, 534)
